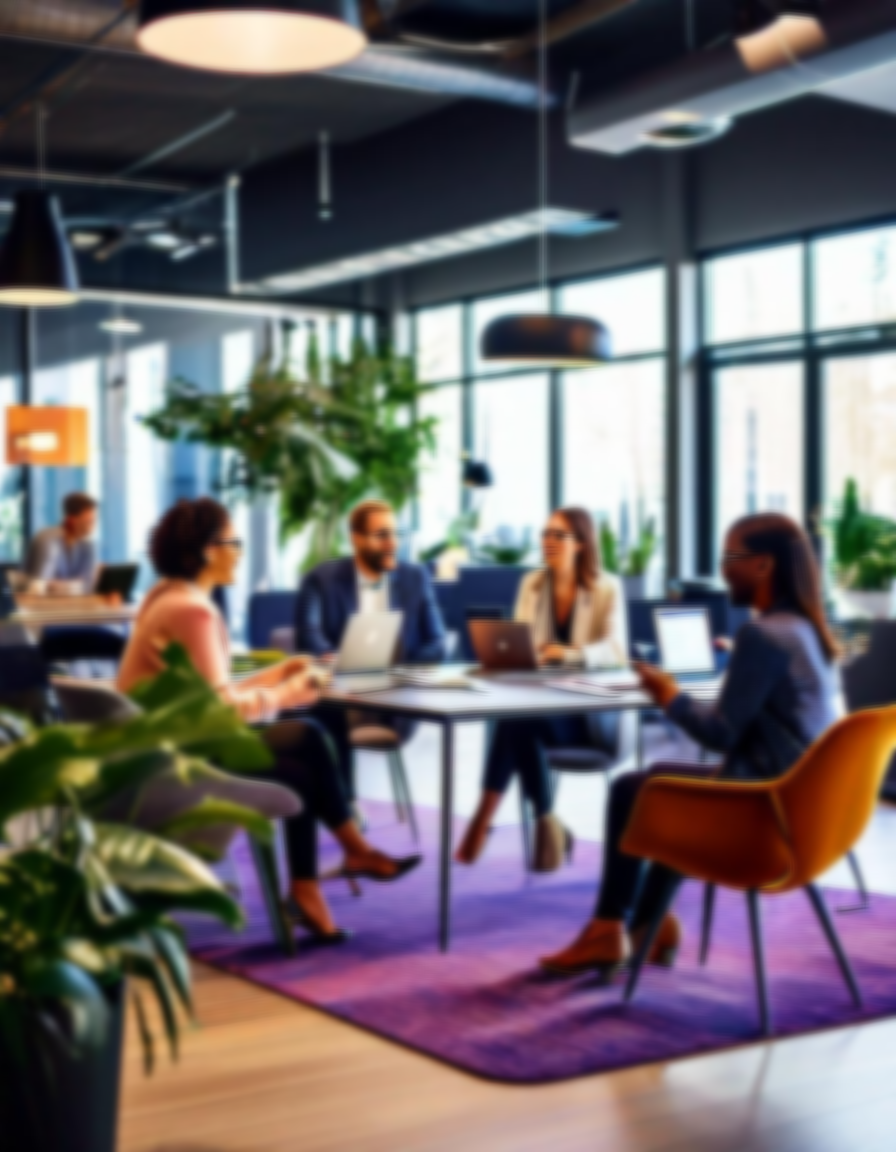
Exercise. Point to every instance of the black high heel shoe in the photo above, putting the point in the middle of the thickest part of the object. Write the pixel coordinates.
(322, 939)
(403, 865)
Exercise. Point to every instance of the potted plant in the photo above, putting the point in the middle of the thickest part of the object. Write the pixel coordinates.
(320, 441)
(864, 547)
(85, 903)
(637, 562)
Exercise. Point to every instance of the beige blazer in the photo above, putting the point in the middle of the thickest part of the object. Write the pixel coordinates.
(599, 632)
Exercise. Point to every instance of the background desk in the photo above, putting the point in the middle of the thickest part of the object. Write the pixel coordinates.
(505, 698)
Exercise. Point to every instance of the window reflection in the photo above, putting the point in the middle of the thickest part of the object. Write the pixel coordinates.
(753, 295)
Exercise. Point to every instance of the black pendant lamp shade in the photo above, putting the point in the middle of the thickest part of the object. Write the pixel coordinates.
(252, 36)
(550, 341)
(37, 266)
(477, 474)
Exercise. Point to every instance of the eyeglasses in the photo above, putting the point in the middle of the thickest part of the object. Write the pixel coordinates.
(731, 555)
(383, 534)
(230, 542)
(556, 534)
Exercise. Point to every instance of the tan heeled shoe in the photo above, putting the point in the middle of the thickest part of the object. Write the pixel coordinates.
(553, 844)
(602, 946)
(664, 949)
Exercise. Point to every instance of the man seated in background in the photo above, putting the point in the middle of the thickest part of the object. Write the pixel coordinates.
(67, 552)
(372, 580)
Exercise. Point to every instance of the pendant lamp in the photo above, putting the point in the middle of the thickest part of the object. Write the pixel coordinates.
(541, 338)
(253, 37)
(37, 266)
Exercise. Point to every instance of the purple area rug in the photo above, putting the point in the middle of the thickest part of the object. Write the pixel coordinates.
(484, 1007)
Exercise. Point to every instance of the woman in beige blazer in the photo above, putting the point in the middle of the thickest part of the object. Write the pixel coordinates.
(577, 614)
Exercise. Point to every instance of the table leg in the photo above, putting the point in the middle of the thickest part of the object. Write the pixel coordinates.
(639, 741)
(446, 835)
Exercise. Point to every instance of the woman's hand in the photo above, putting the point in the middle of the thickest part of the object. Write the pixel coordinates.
(301, 690)
(294, 666)
(660, 686)
(554, 654)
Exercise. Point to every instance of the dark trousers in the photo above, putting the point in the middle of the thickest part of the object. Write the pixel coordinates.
(631, 888)
(337, 723)
(306, 762)
(520, 746)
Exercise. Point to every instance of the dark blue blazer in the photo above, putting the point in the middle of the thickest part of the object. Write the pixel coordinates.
(328, 596)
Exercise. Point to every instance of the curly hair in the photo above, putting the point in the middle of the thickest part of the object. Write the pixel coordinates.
(179, 540)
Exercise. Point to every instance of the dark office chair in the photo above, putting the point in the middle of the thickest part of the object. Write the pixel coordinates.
(869, 681)
(25, 684)
(64, 645)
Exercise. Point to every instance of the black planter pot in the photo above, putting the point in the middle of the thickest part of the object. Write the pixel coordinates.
(76, 1100)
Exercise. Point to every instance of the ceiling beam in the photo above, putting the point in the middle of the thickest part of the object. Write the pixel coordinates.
(179, 144)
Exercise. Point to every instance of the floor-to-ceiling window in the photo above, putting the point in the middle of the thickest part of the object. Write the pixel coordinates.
(595, 438)
(11, 526)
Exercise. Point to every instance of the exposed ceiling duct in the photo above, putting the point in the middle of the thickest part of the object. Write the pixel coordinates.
(717, 84)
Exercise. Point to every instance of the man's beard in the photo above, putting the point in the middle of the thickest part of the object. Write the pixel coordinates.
(378, 561)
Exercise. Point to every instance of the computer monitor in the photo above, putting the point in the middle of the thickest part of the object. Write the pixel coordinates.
(685, 640)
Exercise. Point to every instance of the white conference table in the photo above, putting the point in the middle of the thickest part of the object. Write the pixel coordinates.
(504, 697)
(36, 613)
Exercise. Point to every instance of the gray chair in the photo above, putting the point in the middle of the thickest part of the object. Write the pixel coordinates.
(166, 797)
(593, 760)
(383, 740)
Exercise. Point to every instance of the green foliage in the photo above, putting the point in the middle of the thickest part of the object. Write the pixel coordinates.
(457, 536)
(864, 545)
(321, 442)
(609, 548)
(505, 554)
(85, 903)
(639, 555)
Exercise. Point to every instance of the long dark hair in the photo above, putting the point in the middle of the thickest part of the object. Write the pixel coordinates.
(588, 560)
(796, 581)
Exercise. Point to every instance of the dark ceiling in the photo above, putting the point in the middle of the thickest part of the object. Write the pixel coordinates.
(113, 112)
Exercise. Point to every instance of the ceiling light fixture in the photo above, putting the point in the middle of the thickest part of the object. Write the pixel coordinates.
(37, 265)
(253, 37)
(777, 33)
(121, 326)
(681, 133)
(545, 339)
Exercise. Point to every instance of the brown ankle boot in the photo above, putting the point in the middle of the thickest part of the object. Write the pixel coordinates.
(552, 843)
(665, 947)
(603, 946)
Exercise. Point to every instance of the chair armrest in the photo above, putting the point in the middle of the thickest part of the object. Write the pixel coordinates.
(719, 831)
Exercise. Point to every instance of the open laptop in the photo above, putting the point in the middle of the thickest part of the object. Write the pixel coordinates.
(368, 649)
(685, 642)
(119, 578)
(503, 645)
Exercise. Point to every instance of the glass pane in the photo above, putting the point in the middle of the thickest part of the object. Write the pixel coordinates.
(632, 307)
(147, 459)
(614, 456)
(10, 483)
(511, 434)
(439, 343)
(855, 279)
(439, 489)
(759, 442)
(860, 423)
(484, 311)
(754, 294)
(75, 385)
(237, 361)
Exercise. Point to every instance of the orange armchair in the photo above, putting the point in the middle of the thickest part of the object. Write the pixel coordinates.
(771, 836)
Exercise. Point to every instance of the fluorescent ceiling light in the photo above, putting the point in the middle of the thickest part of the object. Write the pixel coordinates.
(84, 239)
(253, 37)
(164, 239)
(121, 326)
(559, 222)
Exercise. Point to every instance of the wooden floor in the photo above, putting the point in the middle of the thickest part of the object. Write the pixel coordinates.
(261, 1074)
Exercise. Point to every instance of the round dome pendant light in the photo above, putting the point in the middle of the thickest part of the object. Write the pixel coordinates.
(254, 37)
(541, 338)
(37, 265)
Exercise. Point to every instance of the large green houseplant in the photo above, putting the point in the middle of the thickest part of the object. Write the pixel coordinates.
(85, 903)
(321, 438)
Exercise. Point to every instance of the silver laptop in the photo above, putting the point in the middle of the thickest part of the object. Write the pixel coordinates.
(685, 642)
(370, 643)
(503, 645)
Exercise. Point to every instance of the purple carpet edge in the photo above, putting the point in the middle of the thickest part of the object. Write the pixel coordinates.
(485, 1009)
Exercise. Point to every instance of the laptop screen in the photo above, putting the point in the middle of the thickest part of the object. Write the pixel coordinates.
(685, 640)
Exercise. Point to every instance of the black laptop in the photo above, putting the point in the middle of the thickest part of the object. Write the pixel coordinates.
(120, 578)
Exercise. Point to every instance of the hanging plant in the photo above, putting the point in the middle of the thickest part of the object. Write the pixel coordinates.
(320, 440)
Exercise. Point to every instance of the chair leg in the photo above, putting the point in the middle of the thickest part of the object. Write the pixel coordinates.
(827, 923)
(709, 903)
(765, 1020)
(397, 796)
(265, 860)
(401, 776)
(664, 902)
(525, 831)
(856, 868)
